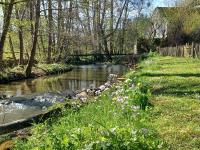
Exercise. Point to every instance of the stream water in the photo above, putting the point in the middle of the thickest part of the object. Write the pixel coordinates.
(32, 96)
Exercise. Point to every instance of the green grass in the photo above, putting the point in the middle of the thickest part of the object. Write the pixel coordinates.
(175, 84)
(116, 120)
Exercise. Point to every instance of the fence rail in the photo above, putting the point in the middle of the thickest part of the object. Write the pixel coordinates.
(192, 50)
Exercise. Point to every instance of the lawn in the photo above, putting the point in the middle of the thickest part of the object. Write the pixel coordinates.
(175, 84)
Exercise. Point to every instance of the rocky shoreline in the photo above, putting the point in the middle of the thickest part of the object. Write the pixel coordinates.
(87, 93)
(44, 101)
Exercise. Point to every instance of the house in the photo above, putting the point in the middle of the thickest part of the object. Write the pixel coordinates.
(166, 19)
(161, 21)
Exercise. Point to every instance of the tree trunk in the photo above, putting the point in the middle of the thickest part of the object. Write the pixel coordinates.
(99, 26)
(31, 18)
(89, 25)
(59, 28)
(102, 33)
(21, 58)
(6, 25)
(50, 24)
(111, 26)
(33, 50)
(12, 49)
(20, 16)
(123, 36)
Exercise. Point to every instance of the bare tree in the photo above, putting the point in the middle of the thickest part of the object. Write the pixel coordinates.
(33, 50)
(7, 17)
(50, 26)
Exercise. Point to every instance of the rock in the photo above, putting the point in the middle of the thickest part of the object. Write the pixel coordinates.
(102, 87)
(4, 102)
(82, 95)
(98, 92)
(69, 94)
(83, 99)
(107, 84)
(3, 96)
(90, 92)
(112, 78)
(92, 86)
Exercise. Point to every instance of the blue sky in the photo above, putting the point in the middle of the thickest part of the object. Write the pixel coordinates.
(163, 3)
(160, 3)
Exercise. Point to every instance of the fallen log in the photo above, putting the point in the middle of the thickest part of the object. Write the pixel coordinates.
(24, 123)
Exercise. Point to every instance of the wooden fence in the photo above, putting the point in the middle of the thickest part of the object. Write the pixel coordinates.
(187, 50)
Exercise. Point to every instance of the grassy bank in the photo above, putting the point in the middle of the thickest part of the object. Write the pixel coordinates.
(157, 107)
(175, 85)
(114, 120)
(17, 73)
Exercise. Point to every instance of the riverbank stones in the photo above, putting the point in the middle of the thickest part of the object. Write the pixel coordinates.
(112, 78)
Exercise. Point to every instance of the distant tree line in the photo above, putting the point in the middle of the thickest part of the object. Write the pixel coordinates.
(50, 30)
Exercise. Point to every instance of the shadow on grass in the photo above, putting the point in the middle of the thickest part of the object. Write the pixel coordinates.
(185, 89)
(180, 93)
(171, 74)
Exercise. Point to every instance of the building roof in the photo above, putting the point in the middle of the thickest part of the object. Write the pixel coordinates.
(167, 12)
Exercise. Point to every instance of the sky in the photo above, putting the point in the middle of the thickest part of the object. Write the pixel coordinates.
(164, 3)
(159, 3)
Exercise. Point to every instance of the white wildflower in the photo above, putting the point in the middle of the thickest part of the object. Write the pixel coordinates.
(120, 99)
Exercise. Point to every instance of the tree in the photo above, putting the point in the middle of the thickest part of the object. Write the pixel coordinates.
(50, 26)
(7, 17)
(33, 50)
(20, 12)
(69, 27)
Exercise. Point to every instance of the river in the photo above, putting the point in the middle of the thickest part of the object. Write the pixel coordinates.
(32, 96)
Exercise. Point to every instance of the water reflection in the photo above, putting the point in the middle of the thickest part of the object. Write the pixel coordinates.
(87, 76)
(81, 77)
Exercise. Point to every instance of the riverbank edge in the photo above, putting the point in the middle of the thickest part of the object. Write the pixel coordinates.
(40, 70)
(141, 91)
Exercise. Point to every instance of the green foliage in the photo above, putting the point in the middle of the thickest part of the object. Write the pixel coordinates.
(97, 139)
(114, 120)
(152, 54)
(131, 96)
